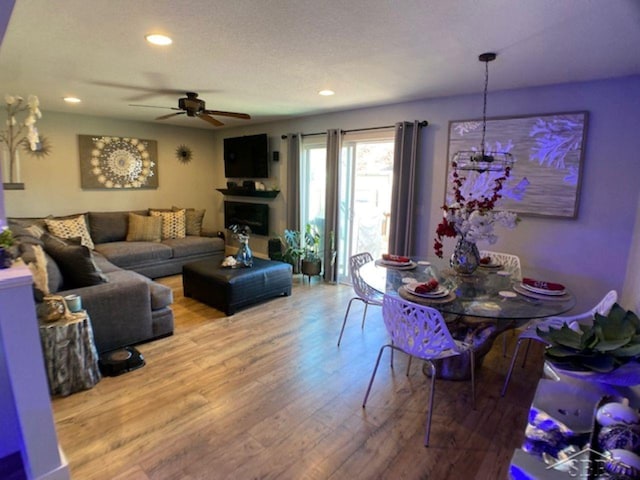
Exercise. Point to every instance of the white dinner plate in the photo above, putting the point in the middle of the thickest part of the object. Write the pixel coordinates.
(396, 265)
(542, 291)
(539, 296)
(491, 265)
(437, 293)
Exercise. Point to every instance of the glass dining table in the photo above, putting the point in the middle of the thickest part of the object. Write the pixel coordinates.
(477, 307)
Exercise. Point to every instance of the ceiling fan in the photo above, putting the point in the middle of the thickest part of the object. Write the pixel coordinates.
(195, 107)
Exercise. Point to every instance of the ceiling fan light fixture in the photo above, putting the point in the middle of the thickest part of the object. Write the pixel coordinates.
(326, 92)
(158, 39)
(72, 99)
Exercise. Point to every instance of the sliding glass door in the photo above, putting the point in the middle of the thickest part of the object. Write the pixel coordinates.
(366, 174)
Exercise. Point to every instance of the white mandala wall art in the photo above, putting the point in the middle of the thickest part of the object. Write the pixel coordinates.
(117, 162)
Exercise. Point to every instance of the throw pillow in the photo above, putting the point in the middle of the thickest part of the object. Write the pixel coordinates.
(144, 229)
(193, 219)
(47, 277)
(70, 228)
(76, 262)
(173, 223)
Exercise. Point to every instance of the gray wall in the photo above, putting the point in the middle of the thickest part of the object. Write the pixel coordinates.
(589, 253)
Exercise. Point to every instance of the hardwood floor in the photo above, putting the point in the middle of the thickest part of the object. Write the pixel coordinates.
(266, 393)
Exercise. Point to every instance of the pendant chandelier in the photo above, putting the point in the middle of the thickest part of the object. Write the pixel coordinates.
(483, 160)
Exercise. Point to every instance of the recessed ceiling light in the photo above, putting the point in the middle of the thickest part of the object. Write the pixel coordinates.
(72, 99)
(326, 93)
(158, 39)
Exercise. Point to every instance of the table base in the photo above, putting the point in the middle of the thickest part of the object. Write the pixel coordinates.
(481, 333)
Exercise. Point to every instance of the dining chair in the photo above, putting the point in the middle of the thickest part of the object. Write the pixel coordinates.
(420, 332)
(364, 293)
(511, 264)
(530, 332)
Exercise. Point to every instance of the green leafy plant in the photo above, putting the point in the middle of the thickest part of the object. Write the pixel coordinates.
(311, 244)
(6, 238)
(610, 341)
(293, 250)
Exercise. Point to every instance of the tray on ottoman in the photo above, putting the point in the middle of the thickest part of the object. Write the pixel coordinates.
(229, 289)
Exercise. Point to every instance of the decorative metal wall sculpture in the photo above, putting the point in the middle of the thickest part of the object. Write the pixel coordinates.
(548, 151)
(117, 162)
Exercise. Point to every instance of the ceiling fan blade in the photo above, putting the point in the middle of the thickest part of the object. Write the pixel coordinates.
(164, 117)
(211, 120)
(152, 106)
(220, 113)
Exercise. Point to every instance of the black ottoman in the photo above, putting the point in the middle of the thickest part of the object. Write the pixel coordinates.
(229, 289)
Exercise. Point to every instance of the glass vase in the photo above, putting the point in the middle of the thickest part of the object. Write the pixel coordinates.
(465, 258)
(10, 165)
(244, 257)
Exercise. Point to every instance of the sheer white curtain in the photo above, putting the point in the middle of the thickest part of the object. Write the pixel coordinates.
(403, 194)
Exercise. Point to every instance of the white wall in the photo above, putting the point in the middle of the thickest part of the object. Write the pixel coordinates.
(52, 183)
(631, 293)
(591, 253)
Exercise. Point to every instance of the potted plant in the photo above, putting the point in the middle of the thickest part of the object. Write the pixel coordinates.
(6, 242)
(293, 250)
(311, 261)
(606, 350)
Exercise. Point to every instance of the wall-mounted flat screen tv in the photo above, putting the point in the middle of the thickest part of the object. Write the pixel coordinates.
(246, 157)
(254, 215)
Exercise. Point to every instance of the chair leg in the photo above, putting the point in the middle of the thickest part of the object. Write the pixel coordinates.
(472, 361)
(409, 364)
(346, 314)
(511, 365)
(373, 375)
(526, 352)
(431, 395)
(364, 314)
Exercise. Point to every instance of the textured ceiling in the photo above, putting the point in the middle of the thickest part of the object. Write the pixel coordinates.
(269, 58)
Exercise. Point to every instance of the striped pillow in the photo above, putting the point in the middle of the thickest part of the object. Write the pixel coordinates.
(144, 229)
(173, 223)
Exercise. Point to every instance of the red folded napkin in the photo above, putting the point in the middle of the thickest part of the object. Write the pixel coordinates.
(395, 258)
(552, 287)
(430, 286)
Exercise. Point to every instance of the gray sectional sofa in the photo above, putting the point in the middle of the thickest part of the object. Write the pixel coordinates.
(125, 305)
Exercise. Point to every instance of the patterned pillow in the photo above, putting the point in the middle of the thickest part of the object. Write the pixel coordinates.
(173, 223)
(70, 228)
(144, 229)
(193, 218)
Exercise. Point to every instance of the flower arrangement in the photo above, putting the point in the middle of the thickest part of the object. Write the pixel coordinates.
(14, 135)
(471, 214)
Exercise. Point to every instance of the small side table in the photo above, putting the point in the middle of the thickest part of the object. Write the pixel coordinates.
(70, 354)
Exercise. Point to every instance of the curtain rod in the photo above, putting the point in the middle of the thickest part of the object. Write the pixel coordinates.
(423, 123)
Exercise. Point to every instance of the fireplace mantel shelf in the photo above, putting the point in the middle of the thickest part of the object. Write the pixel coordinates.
(242, 192)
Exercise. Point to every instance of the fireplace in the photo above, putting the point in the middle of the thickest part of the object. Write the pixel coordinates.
(255, 215)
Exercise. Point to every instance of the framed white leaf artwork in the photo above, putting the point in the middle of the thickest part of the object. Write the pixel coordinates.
(548, 150)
